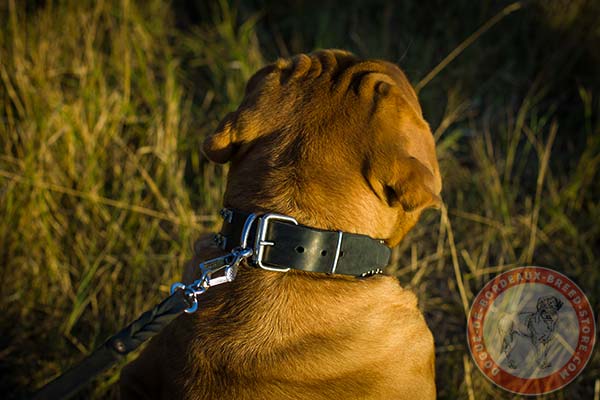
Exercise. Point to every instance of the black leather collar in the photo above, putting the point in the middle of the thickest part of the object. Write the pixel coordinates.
(280, 244)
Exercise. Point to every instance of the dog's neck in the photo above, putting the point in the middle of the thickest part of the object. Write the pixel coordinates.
(280, 243)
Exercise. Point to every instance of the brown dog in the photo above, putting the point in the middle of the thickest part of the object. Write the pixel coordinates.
(339, 144)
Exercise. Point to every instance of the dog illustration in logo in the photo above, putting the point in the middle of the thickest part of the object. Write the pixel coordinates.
(538, 326)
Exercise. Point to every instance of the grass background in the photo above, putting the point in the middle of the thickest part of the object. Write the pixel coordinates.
(103, 106)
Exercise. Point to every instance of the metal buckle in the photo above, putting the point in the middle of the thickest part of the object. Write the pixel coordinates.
(261, 236)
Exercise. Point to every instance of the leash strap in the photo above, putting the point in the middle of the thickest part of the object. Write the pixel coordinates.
(280, 243)
(114, 349)
(183, 298)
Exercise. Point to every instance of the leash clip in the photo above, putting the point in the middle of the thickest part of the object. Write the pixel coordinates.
(227, 264)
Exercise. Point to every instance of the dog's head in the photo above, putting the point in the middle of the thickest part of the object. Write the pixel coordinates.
(337, 142)
(548, 307)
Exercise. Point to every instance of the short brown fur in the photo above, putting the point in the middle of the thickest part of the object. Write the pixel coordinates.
(339, 144)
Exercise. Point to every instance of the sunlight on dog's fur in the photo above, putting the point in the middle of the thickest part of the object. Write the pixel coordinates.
(340, 144)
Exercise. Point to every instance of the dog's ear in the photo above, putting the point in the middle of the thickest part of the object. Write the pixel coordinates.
(405, 172)
(559, 304)
(254, 116)
(414, 186)
(405, 182)
(237, 128)
(219, 147)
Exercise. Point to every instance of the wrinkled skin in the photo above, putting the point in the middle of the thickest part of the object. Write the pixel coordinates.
(338, 143)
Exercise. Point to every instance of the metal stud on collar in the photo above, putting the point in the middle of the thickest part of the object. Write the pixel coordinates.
(372, 272)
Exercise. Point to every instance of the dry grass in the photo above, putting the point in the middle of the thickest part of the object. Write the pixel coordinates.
(102, 186)
(95, 211)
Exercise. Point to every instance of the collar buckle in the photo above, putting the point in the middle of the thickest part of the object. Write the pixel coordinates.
(261, 239)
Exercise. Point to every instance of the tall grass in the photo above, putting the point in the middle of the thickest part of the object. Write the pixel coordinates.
(95, 213)
(103, 107)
